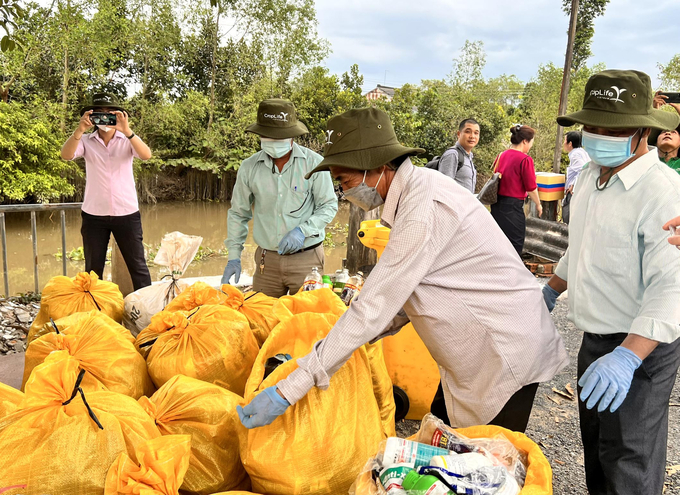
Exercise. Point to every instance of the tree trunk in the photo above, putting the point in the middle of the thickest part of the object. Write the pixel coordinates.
(358, 255)
(566, 82)
(64, 88)
(214, 69)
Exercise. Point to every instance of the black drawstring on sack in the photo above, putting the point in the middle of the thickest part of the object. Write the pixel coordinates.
(93, 299)
(152, 342)
(76, 390)
(172, 292)
(54, 325)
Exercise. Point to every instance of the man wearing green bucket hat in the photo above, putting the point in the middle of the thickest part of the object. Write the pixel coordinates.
(626, 277)
(289, 212)
(449, 269)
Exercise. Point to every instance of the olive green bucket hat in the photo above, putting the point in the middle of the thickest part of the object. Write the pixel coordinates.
(361, 139)
(277, 119)
(620, 99)
(102, 100)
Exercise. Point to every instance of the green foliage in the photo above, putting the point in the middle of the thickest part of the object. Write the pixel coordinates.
(670, 74)
(588, 11)
(10, 11)
(30, 165)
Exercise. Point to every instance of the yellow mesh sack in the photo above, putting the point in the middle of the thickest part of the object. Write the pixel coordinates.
(311, 301)
(238, 492)
(186, 406)
(212, 343)
(65, 435)
(105, 352)
(310, 449)
(76, 318)
(162, 464)
(10, 398)
(382, 388)
(198, 294)
(63, 296)
(256, 307)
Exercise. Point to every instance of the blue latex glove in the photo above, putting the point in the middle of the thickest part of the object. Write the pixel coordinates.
(233, 268)
(609, 379)
(550, 296)
(263, 410)
(292, 241)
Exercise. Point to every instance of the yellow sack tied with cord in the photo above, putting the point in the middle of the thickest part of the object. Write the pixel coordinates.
(160, 469)
(186, 406)
(10, 398)
(104, 352)
(198, 294)
(66, 434)
(320, 443)
(212, 343)
(256, 307)
(63, 296)
(52, 326)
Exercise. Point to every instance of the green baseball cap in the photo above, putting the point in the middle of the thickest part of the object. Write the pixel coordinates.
(277, 119)
(620, 99)
(361, 139)
(102, 100)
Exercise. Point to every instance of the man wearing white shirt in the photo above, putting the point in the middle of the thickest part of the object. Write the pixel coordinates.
(578, 158)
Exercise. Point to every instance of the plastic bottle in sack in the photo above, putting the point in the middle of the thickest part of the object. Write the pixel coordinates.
(450, 441)
(313, 281)
(462, 463)
(493, 480)
(402, 451)
(352, 288)
(392, 478)
(327, 282)
(430, 485)
(340, 281)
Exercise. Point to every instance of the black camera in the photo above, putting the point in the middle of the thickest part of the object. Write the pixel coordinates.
(103, 118)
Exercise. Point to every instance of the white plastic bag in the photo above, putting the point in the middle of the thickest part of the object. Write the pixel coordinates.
(177, 251)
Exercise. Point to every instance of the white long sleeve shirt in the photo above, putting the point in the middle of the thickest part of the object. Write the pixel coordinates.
(476, 307)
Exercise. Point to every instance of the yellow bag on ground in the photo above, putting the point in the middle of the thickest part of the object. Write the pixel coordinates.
(52, 443)
(63, 296)
(256, 307)
(102, 350)
(10, 398)
(162, 463)
(212, 343)
(198, 294)
(319, 444)
(76, 318)
(311, 301)
(382, 388)
(186, 406)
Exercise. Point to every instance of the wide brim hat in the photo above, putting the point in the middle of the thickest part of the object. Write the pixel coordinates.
(654, 135)
(277, 119)
(361, 139)
(620, 99)
(103, 100)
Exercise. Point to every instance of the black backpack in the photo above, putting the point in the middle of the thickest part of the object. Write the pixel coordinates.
(434, 163)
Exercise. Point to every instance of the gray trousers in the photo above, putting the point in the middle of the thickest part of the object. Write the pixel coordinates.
(625, 451)
(283, 274)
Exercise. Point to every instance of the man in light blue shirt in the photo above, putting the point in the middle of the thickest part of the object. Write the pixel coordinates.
(624, 281)
(289, 212)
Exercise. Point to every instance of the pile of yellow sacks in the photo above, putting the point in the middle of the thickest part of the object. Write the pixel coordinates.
(105, 413)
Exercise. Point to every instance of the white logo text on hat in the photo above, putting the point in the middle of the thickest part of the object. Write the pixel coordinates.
(329, 132)
(283, 117)
(608, 94)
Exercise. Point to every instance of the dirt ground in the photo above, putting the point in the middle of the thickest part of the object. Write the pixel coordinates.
(554, 422)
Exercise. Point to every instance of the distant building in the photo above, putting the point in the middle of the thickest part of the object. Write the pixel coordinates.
(381, 92)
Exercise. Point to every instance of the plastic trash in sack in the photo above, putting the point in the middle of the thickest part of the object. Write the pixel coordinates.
(177, 251)
(310, 449)
(103, 352)
(197, 294)
(206, 412)
(10, 398)
(61, 324)
(63, 296)
(211, 343)
(486, 480)
(256, 307)
(159, 470)
(66, 434)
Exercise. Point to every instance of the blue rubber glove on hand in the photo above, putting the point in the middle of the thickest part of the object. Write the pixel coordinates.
(233, 268)
(608, 379)
(292, 241)
(263, 410)
(550, 296)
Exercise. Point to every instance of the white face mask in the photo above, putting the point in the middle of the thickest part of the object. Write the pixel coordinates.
(104, 128)
(276, 148)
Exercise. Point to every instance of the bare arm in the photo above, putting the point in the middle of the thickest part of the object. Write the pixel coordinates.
(640, 345)
(534, 197)
(560, 285)
(140, 147)
(68, 151)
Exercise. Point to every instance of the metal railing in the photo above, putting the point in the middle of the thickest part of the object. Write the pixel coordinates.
(60, 207)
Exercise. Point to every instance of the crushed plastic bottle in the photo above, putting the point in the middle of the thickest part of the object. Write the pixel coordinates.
(352, 288)
(340, 281)
(313, 281)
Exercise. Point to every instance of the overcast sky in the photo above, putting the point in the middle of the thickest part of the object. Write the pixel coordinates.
(414, 40)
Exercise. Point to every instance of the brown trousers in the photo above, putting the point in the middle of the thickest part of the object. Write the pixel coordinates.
(284, 274)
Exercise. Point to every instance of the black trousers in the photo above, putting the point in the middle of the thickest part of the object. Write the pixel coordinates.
(509, 215)
(127, 230)
(625, 451)
(514, 415)
(566, 208)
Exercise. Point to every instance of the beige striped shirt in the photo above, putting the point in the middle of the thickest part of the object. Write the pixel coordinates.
(459, 280)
